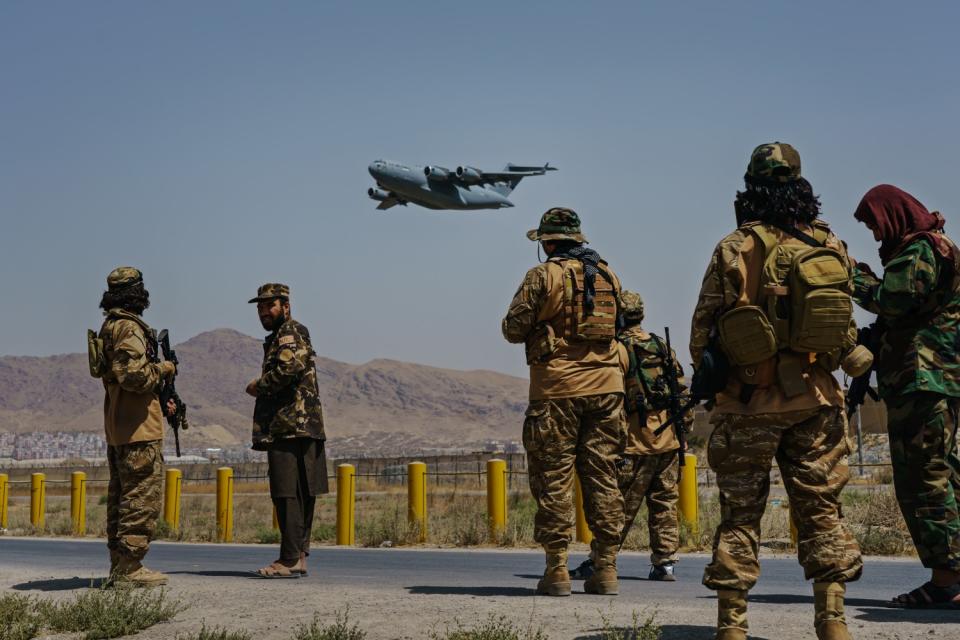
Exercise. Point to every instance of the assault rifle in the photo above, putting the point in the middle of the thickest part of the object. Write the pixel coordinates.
(168, 391)
(675, 411)
(859, 387)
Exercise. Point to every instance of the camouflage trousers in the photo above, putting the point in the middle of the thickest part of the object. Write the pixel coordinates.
(584, 434)
(926, 473)
(811, 449)
(654, 478)
(134, 496)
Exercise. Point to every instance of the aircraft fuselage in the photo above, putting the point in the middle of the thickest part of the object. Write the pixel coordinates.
(410, 184)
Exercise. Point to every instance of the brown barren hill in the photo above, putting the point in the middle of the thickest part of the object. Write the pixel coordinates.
(382, 401)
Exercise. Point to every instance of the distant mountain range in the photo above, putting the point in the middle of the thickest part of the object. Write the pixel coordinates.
(383, 406)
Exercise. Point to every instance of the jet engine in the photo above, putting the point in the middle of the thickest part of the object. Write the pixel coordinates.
(377, 194)
(436, 173)
(469, 175)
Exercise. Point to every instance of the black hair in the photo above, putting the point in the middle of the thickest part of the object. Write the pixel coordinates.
(562, 246)
(786, 203)
(134, 299)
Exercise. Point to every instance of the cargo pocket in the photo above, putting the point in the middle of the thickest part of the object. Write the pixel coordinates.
(535, 423)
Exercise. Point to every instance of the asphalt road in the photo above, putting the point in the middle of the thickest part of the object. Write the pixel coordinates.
(31, 564)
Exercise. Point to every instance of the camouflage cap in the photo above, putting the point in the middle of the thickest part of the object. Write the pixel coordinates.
(631, 306)
(123, 277)
(775, 162)
(270, 291)
(558, 223)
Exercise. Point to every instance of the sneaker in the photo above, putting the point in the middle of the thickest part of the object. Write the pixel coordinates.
(662, 572)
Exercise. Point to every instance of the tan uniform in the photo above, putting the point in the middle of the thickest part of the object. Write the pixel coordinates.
(805, 433)
(650, 468)
(575, 418)
(133, 424)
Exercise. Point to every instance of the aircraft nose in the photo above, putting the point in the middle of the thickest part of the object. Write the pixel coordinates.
(376, 168)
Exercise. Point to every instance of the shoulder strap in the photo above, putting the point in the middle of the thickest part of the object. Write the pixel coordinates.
(799, 235)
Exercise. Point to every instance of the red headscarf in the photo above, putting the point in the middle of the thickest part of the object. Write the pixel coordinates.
(900, 219)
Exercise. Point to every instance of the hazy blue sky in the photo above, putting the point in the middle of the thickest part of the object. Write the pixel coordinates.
(221, 145)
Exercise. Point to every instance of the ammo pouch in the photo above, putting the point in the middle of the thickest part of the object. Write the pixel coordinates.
(746, 336)
(95, 357)
(822, 308)
(540, 344)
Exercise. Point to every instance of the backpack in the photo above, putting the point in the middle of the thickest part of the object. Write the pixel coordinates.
(804, 304)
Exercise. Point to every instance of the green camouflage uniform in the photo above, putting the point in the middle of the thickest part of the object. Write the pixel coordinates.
(650, 467)
(133, 426)
(288, 425)
(918, 373)
(805, 433)
(582, 432)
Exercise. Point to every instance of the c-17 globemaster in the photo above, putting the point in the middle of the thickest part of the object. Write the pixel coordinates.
(438, 188)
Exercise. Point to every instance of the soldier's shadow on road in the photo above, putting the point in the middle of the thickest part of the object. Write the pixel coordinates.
(60, 584)
(218, 574)
(919, 616)
(668, 632)
(470, 591)
(793, 598)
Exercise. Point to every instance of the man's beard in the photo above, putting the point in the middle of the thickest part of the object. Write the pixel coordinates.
(271, 324)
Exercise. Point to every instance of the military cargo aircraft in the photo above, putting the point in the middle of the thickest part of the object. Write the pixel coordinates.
(438, 188)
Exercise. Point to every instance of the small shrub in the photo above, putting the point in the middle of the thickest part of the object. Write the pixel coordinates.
(110, 613)
(19, 619)
(215, 633)
(646, 630)
(494, 628)
(102, 500)
(340, 629)
(267, 535)
(323, 532)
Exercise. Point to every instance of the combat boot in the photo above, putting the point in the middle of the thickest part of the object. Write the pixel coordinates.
(731, 615)
(556, 578)
(829, 620)
(132, 572)
(604, 579)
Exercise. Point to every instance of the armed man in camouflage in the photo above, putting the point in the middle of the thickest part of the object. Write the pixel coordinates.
(650, 466)
(565, 313)
(288, 425)
(781, 400)
(133, 423)
(917, 302)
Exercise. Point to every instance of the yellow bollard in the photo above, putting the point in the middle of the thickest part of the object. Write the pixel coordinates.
(689, 501)
(417, 497)
(496, 498)
(583, 531)
(346, 531)
(794, 534)
(38, 499)
(171, 499)
(4, 499)
(78, 502)
(225, 504)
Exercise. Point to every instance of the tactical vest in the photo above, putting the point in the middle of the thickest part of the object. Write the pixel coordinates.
(647, 388)
(600, 324)
(100, 348)
(804, 304)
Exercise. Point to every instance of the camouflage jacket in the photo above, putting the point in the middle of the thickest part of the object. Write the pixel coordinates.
(288, 400)
(918, 304)
(559, 368)
(131, 409)
(732, 279)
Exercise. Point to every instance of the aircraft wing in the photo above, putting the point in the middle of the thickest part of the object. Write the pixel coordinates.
(389, 202)
(510, 172)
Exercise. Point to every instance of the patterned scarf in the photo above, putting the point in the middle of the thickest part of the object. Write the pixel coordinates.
(589, 259)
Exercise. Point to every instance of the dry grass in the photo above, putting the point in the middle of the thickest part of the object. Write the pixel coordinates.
(458, 519)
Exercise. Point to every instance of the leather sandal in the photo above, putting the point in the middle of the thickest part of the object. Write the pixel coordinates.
(929, 596)
(277, 570)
